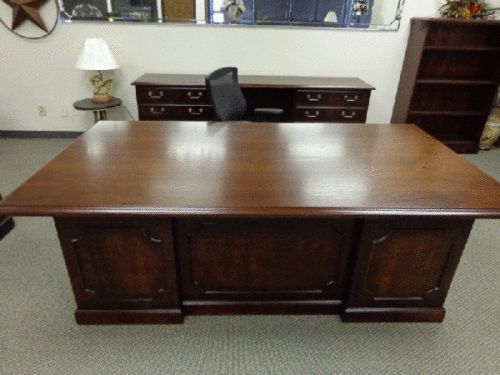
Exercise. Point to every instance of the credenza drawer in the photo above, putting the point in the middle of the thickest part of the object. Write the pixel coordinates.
(319, 114)
(176, 112)
(332, 98)
(195, 95)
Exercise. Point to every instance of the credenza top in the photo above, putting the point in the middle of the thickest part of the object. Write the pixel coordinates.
(256, 169)
(180, 80)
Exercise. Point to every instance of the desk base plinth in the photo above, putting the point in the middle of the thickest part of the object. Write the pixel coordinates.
(262, 307)
(393, 315)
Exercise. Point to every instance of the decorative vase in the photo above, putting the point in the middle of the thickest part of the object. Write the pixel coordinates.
(491, 131)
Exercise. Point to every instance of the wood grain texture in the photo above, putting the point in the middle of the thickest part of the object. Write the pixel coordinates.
(407, 263)
(256, 170)
(264, 259)
(149, 79)
(122, 264)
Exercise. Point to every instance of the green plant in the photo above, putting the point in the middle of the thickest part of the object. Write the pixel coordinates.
(466, 9)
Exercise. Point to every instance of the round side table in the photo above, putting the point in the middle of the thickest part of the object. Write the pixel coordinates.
(99, 109)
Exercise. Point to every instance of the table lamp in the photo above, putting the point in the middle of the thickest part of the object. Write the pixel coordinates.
(96, 55)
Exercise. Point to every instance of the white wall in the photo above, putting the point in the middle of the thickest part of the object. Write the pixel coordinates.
(384, 12)
(42, 72)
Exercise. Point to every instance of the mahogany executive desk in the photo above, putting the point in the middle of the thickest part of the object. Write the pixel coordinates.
(161, 220)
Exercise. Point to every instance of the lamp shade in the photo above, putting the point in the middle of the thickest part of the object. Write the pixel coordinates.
(96, 55)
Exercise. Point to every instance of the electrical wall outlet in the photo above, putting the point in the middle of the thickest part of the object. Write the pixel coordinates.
(42, 110)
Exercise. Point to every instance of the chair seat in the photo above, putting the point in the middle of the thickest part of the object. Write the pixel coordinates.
(268, 111)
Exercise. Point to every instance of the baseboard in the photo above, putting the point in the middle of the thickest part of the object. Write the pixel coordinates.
(39, 134)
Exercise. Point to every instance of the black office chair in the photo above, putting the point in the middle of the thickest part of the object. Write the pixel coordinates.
(6, 224)
(228, 100)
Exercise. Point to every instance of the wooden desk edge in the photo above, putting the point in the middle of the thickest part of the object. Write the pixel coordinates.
(142, 81)
(249, 212)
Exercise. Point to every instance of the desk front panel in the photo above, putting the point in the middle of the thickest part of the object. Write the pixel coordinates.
(154, 270)
(404, 268)
(263, 260)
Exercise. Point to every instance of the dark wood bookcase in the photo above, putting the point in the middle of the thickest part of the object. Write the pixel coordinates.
(449, 79)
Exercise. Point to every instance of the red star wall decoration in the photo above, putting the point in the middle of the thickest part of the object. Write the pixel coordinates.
(23, 10)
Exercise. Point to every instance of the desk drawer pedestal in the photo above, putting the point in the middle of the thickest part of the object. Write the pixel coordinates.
(131, 271)
(122, 271)
(404, 268)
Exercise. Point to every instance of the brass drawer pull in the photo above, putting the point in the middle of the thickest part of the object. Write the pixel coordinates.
(154, 112)
(153, 96)
(311, 99)
(352, 99)
(309, 115)
(193, 113)
(346, 116)
(194, 97)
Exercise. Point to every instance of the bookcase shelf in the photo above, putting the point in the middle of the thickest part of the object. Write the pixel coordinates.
(449, 79)
(448, 113)
(461, 49)
(456, 82)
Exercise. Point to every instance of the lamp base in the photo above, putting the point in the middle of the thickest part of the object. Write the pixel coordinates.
(102, 99)
(102, 89)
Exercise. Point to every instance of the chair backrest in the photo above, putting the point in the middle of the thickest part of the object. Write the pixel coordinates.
(225, 94)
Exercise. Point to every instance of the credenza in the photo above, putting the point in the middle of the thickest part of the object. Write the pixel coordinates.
(158, 220)
(303, 99)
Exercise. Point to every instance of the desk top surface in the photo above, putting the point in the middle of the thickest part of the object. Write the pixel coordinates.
(256, 169)
(348, 83)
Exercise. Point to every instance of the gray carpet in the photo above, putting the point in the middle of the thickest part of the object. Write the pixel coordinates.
(39, 336)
